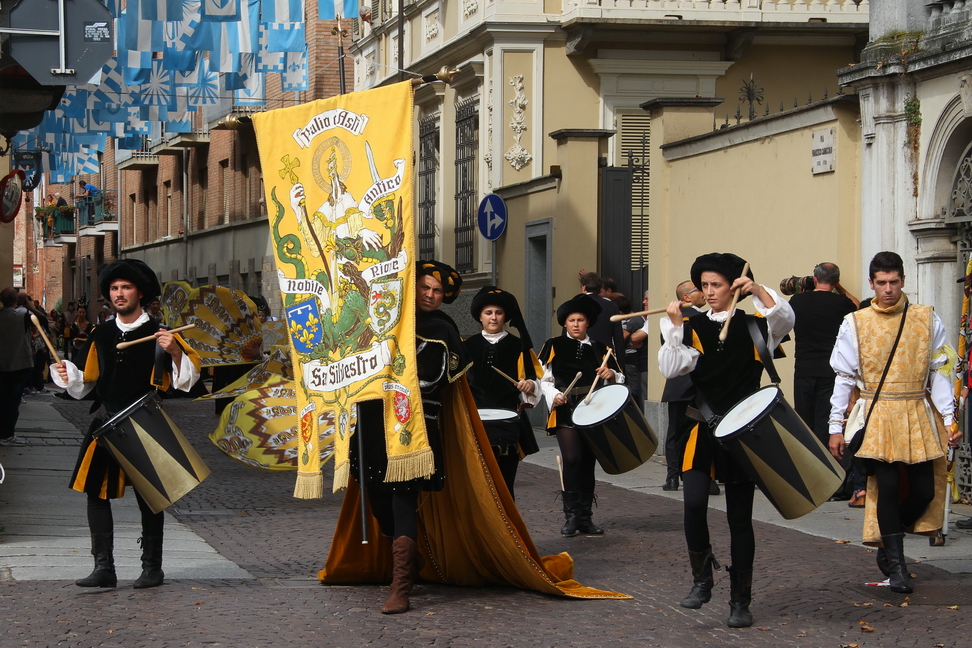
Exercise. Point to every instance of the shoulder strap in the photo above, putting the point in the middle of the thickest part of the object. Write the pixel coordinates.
(764, 354)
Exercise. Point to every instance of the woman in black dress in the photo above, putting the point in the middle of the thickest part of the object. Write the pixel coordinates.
(493, 308)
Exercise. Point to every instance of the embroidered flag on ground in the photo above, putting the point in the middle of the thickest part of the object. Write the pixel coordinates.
(352, 333)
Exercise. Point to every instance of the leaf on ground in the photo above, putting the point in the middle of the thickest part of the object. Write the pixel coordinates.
(868, 604)
(199, 602)
(953, 607)
(842, 541)
(866, 628)
(905, 604)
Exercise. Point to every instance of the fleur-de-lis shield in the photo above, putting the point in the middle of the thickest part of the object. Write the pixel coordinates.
(305, 325)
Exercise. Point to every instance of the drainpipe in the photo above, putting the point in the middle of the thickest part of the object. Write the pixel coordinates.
(185, 214)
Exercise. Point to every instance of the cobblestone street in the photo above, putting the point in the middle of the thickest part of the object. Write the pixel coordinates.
(805, 589)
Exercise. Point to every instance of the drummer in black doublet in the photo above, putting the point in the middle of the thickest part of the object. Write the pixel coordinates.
(119, 377)
(495, 349)
(562, 359)
(723, 374)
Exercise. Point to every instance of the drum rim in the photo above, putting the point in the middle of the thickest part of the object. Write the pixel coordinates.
(513, 414)
(752, 423)
(605, 388)
(116, 419)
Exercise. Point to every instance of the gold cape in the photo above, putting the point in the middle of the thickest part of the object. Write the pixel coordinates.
(471, 532)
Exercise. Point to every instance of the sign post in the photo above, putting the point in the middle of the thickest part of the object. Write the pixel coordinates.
(491, 219)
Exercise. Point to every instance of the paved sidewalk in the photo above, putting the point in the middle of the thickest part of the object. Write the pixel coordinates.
(807, 587)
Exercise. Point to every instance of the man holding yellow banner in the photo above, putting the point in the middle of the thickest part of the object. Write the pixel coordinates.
(365, 334)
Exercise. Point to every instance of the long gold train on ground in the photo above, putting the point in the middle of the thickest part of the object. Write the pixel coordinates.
(780, 453)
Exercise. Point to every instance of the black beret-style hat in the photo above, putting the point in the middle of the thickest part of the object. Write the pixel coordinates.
(725, 263)
(445, 274)
(582, 303)
(493, 296)
(133, 270)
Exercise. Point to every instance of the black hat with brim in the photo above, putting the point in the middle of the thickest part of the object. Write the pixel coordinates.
(445, 274)
(134, 270)
(583, 304)
(493, 296)
(725, 263)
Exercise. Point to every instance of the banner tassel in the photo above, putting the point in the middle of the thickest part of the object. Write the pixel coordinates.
(309, 485)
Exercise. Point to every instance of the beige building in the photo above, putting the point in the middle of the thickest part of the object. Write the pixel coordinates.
(549, 111)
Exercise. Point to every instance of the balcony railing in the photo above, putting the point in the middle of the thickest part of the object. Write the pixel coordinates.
(56, 221)
(725, 10)
(97, 209)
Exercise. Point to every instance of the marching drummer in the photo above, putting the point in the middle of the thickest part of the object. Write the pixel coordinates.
(119, 377)
(724, 373)
(503, 377)
(571, 365)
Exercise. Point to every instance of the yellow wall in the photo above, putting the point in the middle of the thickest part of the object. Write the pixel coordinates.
(785, 73)
(570, 96)
(759, 200)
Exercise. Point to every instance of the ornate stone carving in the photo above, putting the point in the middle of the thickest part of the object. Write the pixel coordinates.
(488, 155)
(431, 26)
(517, 156)
(469, 8)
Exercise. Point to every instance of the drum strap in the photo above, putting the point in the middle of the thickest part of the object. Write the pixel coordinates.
(702, 411)
(764, 354)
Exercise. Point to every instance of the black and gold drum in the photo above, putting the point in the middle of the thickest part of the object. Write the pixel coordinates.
(157, 458)
(616, 429)
(780, 453)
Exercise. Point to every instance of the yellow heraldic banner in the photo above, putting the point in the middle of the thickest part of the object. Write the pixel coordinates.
(338, 173)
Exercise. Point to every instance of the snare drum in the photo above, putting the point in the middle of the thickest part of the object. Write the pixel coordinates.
(156, 457)
(780, 453)
(502, 426)
(616, 429)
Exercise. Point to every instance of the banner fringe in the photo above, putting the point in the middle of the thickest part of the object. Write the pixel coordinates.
(341, 475)
(415, 465)
(309, 485)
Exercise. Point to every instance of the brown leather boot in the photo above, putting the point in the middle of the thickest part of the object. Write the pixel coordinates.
(405, 568)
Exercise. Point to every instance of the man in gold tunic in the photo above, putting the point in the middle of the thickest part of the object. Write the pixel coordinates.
(904, 445)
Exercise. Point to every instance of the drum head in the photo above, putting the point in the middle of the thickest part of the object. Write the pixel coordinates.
(746, 411)
(496, 414)
(605, 403)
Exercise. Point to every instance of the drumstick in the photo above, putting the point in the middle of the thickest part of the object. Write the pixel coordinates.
(560, 469)
(732, 307)
(587, 399)
(572, 383)
(148, 338)
(626, 316)
(500, 372)
(47, 340)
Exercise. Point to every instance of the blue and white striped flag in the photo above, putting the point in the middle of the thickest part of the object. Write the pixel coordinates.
(294, 78)
(232, 39)
(141, 34)
(221, 10)
(160, 9)
(282, 10)
(329, 9)
(202, 85)
(160, 89)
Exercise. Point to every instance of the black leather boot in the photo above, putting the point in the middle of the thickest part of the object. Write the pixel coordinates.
(571, 507)
(740, 598)
(882, 561)
(584, 514)
(152, 574)
(702, 563)
(900, 576)
(102, 545)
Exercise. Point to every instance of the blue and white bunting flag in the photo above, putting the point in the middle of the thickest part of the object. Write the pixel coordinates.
(294, 78)
(143, 35)
(329, 9)
(221, 10)
(268, 61)
(282, 10)
(286, 37)
(160, 9)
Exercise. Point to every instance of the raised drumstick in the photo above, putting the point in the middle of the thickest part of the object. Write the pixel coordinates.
(500, 372)
(47, 340)
(626, 316)
(587, 399)
(149, 338)
(732, 307)
(572, 383)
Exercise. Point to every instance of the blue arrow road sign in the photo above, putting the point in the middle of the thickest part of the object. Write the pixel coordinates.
(492, 217)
